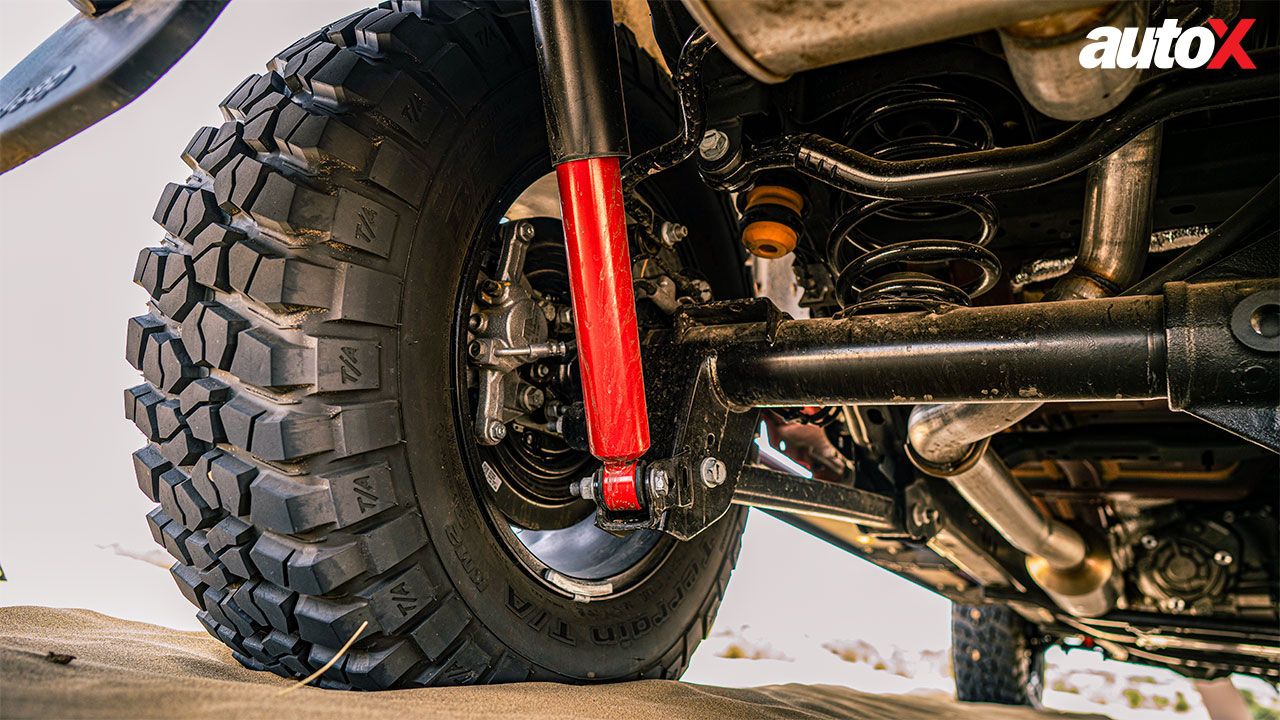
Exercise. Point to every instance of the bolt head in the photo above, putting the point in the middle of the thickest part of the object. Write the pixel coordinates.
(1149, 542)
(524, 230)
(1223, 558)
(714, 145)
(712, 472)
(497, 431)
(923, 515)
(532, 398)
(658, 483)
(477, 322)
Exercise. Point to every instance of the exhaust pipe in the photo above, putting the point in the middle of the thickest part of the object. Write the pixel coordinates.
(1119, 192)
(951, 441)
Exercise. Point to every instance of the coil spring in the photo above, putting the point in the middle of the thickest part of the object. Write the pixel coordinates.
(907, 122)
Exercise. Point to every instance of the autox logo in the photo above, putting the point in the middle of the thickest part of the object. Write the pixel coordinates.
(1210, 47)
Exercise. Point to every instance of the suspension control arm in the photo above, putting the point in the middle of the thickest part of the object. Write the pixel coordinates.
(1163, 97)
(586, 124)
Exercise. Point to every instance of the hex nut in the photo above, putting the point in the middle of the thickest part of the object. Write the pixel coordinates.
(584, 488)
(658, 483)
(497, 431)
(714, 145)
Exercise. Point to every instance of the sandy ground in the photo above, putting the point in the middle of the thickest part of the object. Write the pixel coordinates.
(127, 669)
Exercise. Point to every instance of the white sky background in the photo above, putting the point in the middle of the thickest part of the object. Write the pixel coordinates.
(71, 224)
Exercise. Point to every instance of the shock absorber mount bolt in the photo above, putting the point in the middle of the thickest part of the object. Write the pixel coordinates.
(658, 483)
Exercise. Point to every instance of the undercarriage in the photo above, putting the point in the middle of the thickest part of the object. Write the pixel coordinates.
(477, 326)
(996, 377)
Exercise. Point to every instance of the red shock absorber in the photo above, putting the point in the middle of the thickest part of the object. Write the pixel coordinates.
(604, 314)
(586, 124)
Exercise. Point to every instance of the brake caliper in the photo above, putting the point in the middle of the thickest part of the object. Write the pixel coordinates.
(509, 331)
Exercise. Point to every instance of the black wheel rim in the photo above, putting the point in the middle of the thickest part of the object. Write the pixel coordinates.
(574, 558)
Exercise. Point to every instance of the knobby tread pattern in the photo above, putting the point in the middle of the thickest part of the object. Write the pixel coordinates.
(272, 433)
(995, 656)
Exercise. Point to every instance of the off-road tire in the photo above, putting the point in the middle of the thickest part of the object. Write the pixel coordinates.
(302, 446)
(996, 656)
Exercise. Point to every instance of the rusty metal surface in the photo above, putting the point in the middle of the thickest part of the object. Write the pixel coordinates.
(1096, 349)
(1044, 56)
(773, 39)
(1116, 225)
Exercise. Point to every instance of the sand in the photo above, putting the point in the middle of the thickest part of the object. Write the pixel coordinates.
(126, 669)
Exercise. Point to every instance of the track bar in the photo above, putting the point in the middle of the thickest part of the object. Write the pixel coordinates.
(771, 490)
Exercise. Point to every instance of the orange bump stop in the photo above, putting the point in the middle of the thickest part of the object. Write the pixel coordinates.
(771, 220)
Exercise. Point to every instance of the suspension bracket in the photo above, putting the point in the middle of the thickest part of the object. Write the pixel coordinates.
(686, 482)
(700, 441)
